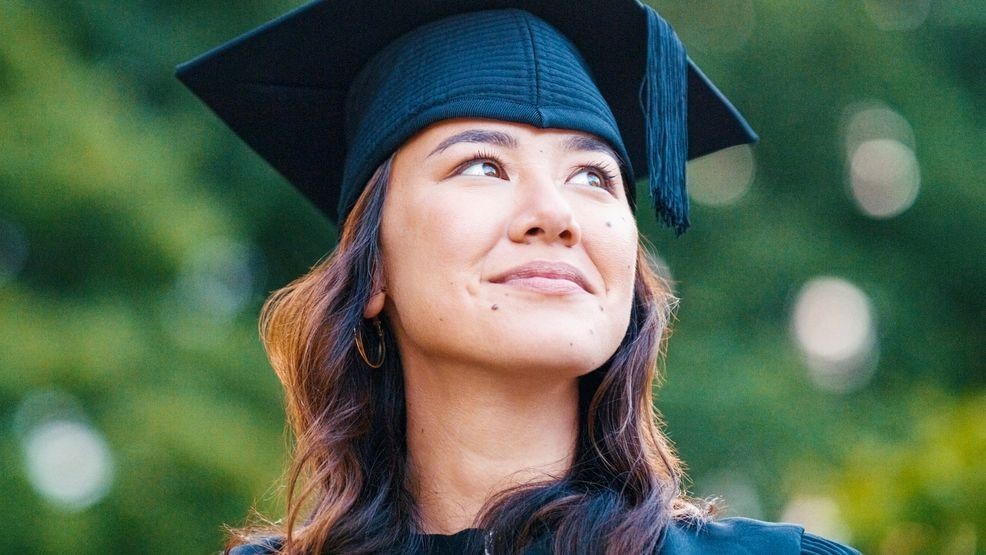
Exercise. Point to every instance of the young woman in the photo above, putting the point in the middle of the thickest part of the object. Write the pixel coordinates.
(470, 370)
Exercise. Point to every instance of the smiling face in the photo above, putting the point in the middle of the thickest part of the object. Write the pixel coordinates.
(506, 247)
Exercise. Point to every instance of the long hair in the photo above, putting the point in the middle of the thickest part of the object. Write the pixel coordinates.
(348, 484)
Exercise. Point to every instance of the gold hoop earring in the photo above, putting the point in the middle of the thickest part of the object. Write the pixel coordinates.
(381, 346)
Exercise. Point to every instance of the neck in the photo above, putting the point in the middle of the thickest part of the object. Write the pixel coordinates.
(473, 433)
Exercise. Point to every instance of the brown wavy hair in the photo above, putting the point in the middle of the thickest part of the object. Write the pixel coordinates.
(348, 484)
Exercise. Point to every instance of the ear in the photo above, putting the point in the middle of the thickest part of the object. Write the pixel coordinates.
(374, 306)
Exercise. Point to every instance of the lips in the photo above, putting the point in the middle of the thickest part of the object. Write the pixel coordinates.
(557, 278)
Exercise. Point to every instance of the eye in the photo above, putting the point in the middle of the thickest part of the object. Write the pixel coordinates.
(593, 177)
(481, 167)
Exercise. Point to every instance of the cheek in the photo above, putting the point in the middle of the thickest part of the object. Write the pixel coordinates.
(438, 226)
(612, 243)
(433, 242)
(610, 239)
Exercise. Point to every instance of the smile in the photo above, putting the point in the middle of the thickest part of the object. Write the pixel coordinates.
(548, 278)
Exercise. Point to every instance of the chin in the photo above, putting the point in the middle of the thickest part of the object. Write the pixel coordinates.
(563, 353)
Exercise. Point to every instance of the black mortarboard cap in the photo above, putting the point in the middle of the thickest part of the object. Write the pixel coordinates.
(326, 92)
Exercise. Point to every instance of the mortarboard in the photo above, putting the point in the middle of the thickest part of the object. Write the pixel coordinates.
(327, 92)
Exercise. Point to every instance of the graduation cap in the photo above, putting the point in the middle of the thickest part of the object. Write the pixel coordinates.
(327, 92)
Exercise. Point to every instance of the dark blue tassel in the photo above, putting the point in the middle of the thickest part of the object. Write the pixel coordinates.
(663, 98)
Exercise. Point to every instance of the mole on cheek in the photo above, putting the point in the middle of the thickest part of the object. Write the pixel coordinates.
(495, 307)
(609, 224)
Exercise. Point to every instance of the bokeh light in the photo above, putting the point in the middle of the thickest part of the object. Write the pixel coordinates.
(67, 461)
(834, 327)
(884, 177)
(662, 268)
(737, 492)
(819, 515)
(13, 250)
(871, 119)
(218, 276)
(897, 15)
(216, 281)
(883, 172)
(722, 178)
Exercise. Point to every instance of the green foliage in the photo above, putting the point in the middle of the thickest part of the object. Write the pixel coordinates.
(926, 494)
(138, 239)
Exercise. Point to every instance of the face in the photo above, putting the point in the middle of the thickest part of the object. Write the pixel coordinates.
(506, 247)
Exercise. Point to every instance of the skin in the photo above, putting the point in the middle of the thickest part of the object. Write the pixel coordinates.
(491, 365)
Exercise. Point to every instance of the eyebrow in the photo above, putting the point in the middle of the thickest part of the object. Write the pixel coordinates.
(575, 143)
(497, 138)
(581, 143)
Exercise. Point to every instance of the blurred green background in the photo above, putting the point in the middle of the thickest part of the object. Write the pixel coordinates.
(827, 365)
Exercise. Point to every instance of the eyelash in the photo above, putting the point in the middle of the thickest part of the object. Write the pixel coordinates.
(605, 171)
(484, 156)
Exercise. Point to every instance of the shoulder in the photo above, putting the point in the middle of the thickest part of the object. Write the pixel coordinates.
(260, 546)
(742, 536)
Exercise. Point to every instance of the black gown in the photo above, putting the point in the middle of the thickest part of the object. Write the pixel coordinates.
(724, 537)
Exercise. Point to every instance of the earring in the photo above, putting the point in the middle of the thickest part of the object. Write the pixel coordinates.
(381, 346)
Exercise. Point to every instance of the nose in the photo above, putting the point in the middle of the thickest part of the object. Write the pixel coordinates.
(543, 214)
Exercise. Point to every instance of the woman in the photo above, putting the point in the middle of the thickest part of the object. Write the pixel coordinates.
(470, 370)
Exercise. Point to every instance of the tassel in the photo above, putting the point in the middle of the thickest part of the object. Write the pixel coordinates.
(663, 99)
